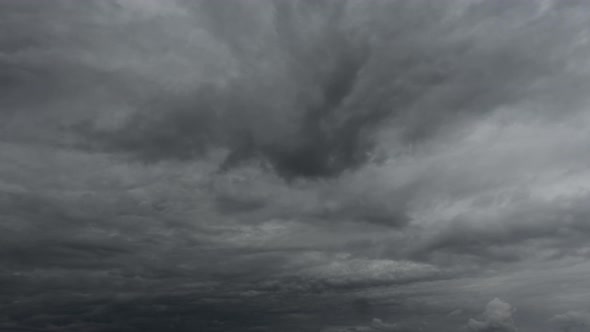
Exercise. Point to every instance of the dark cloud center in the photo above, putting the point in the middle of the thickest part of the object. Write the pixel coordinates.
(309, 103)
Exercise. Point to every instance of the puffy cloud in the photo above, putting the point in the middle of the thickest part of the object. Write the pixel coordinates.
(496, 317)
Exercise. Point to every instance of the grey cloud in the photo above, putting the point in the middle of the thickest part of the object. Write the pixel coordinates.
(496, 317)
(350, 272)
(375, 325)
(511, 234)
(571, 321)
(292, 166)
(455, 313)
(332, 74)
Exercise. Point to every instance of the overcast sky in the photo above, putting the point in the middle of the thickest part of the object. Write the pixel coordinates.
(300, 165)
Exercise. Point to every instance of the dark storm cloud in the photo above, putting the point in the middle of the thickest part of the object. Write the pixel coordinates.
(306, 100)
(332, 90)
(293, 165)
(77, 245)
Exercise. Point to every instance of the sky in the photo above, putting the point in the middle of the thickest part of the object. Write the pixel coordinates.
(294, 166)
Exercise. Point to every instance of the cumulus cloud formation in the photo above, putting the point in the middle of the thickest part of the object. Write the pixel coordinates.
(267, 165)
(496, 317)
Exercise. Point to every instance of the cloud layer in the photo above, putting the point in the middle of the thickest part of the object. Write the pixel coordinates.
(295, 166)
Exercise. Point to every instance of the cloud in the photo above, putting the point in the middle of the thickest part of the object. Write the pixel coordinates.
(375, 325)
(380, 325)
(350, 272)
(496, 317)
(571, 320)
(456, 312)
(193, 165)
(308, 93)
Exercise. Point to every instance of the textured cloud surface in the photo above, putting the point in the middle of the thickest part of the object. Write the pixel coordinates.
(301, 165)
(571, 321)
(496, 317)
